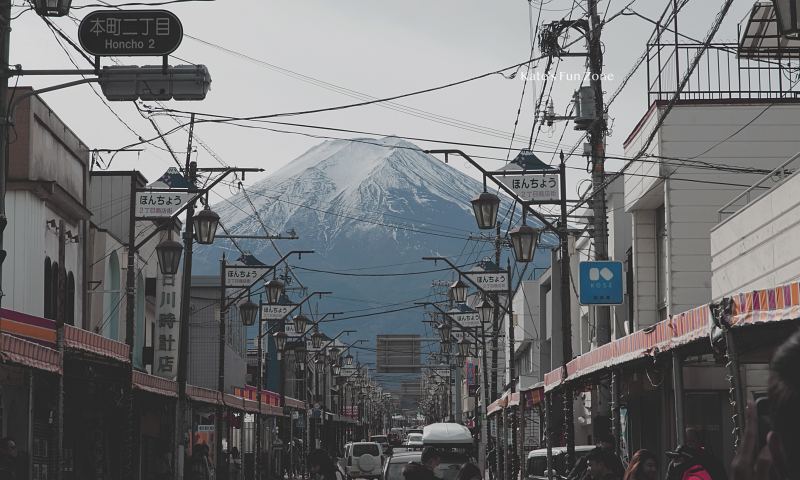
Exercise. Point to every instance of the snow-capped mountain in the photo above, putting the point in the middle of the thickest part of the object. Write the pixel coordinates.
(369, 208)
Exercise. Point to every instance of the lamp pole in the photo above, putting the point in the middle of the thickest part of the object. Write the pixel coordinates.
(561, 230)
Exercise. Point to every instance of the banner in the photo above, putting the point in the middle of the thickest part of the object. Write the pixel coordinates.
(168, 308)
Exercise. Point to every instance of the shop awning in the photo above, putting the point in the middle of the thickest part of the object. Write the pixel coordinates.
(204, 395)
(29, 354)
(154, 384)
(749, 308)
(294, 403)
(86, 341)
(251, 406)
(30, 327)
(498, 404)
(533, 395)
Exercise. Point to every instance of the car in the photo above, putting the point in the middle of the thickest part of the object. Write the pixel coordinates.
(536, 465)
(451, 463)
(383, 440)
(363, 460)
(414, 440)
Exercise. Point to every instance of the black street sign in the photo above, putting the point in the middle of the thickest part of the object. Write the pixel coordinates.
(130, 33)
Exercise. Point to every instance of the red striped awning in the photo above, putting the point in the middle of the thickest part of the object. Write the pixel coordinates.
(533, 396)
(86, 341)
(154, 384)
(294, 403)
(29, 354)
(30, 327)
(676, 331)
(776, 304)
(204, 395)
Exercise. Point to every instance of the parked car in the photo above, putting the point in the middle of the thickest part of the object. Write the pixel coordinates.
(383, 440)
(536, 465)
(414, 440)
(363, 460)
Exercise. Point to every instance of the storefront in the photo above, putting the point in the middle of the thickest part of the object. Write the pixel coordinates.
(29, 375)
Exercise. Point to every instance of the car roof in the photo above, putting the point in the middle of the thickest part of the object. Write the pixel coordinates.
(365, 443)
(542, 452)
(446, 434)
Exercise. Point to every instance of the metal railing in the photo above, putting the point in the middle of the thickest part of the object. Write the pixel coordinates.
(777, 175)
(721, 74)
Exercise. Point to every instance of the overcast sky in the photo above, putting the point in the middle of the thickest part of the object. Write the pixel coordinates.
(375, 47)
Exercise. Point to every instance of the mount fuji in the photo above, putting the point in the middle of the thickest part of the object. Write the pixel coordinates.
(370, 209)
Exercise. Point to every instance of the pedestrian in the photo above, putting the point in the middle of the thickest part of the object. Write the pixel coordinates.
(685, 465)
(774, 454)
(694, 440)
(469, 471)
(236, 464)
(643, 466)
(322, 467)
(8, 459)
(600, 465)
(200, 467)
(605, 443)
(424, 469)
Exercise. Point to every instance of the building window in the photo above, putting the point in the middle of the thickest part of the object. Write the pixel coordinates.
(48, 290)
(661, 262)
(70, 316)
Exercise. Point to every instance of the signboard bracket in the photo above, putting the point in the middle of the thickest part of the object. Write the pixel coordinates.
(165, 64)
(97, 65)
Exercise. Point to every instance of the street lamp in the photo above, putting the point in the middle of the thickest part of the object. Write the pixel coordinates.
(52, 8)
(445, 330)
(274, 289)
(205, 226)
(248, 311)
(320, 365)
(169, 256)
(334, 353)
(445, 347)
(485, 207)
(458, 291)
(300, 322)
(485, 311)
(316, 339)
(788, 18)
(337, 369)
(464, 347)
(523, 241)
(348, 360)
(280, 341)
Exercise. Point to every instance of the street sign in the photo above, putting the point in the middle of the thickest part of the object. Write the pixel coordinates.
(533, 187)
(467, 320)
(442, 372)
(150, 204)
(240, 276)
(275, 312)
(290, 331)
(490, 281)
(601, 283)
(130, 33)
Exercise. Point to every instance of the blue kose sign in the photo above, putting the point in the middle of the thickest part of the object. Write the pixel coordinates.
(601, 283)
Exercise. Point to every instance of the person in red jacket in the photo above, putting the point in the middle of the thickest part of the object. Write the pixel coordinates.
(686, 465)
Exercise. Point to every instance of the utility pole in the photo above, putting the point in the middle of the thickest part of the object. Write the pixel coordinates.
(61, 311)
(183, 340)
(221, 366)
(566, 315)
(5, 38)
(512, 374)
(498, 243)
(597, 134)
(130, 334)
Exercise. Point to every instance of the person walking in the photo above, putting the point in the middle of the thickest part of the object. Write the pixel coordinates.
(322, 467)
(8, 459)
(200, 467)
(600, 465)
(469, 471)
(685, 465)
(643, 466)
(424, 469)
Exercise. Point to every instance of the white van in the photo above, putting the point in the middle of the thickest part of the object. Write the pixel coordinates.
(455, 445)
